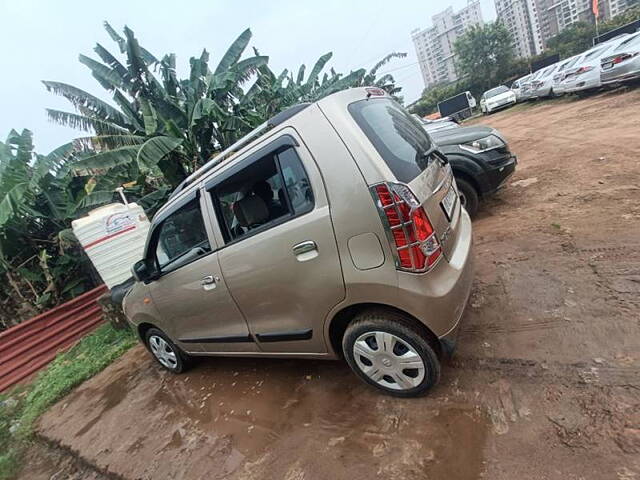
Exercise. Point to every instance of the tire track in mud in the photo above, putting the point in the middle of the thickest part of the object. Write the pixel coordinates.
(544, 324)
(577, 373)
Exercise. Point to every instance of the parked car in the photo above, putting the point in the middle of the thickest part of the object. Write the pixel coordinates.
(480, 159)
(585, 73)
(516, 86)
(436, 125)
(558, 75)
(622, 63)
(527, 86)
(543, 85)
(334, 229)
(496, 99)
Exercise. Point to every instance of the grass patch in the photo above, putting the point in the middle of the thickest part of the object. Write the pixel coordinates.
(20, 408)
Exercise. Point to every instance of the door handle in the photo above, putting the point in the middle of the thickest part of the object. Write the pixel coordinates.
(304, 247)
(209, 281)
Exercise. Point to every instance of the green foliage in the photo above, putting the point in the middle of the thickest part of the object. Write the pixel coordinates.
(428, 103)
(38, 199)
(22, 406)
(484, 55)
(572, 40)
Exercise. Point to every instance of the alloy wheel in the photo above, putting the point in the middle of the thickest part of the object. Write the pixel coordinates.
(388, 360)
(163, 352)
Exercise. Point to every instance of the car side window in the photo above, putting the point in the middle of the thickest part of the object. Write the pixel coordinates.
(296, 181)
(182, 237)
(269, 191)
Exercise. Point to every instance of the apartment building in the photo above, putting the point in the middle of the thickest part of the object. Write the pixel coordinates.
(521, 18)
(434, 44)
(533, 22)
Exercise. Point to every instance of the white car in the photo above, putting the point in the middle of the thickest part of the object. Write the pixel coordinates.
(558, 75)
(543, 85)
(517, 86)
(585, 73)
(497, 98)
(527, 85)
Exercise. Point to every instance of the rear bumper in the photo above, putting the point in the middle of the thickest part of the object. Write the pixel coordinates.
(583, 84)
(617, 75)
(439, 297)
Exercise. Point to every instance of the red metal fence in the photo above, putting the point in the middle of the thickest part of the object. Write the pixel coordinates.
(32, 344)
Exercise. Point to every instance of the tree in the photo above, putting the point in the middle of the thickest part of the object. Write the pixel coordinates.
(572, 40)
(163, 127)
(484, 55)
(428, 103)
(38, 199)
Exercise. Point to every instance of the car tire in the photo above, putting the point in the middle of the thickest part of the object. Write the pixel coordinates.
(468, 196)
(382, 366)
(165, 352)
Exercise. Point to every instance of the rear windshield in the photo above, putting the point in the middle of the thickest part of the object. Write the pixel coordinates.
(401, 142)
(496, 91)
(594, 53)
(632, 41)
(572, 63)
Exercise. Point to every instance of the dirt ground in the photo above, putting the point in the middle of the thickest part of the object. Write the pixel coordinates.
(545, 383)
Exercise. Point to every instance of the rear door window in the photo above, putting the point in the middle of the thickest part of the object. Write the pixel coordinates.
(401, 142)
(267, 192)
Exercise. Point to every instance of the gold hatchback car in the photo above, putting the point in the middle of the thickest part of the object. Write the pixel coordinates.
(333, 230)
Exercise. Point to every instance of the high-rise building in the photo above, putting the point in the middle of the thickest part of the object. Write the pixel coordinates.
(434, 44)
(521, 18)
(533, 22)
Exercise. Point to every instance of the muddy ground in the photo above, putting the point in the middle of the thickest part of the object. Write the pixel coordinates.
(545, 383)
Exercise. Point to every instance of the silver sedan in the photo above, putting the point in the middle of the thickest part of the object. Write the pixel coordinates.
(623, 63)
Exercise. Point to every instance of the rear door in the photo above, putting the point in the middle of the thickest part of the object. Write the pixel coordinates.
(279, 255)
(414, 160)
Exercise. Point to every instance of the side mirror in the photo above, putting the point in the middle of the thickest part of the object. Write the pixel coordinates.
(142, 271)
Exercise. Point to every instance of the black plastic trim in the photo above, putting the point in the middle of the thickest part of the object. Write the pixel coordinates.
(285, 336)
(222, 339)
(276, 146)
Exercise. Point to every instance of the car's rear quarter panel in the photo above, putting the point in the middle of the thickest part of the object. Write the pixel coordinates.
(353, 214)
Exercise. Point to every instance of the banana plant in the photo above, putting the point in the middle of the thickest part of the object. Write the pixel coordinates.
(161, 125)
(38, 200)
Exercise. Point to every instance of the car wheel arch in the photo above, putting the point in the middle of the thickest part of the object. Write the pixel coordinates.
(469, 179)
(142, 329)
(341, 320)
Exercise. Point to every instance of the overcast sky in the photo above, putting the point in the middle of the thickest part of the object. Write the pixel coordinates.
(41, 40)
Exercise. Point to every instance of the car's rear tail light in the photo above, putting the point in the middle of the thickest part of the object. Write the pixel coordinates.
(582, 70)
(410, 232)
(622, 57)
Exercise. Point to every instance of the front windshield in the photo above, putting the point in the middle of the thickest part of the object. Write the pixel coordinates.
(496, 91)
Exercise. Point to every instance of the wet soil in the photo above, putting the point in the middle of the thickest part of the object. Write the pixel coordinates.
(545, 383)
